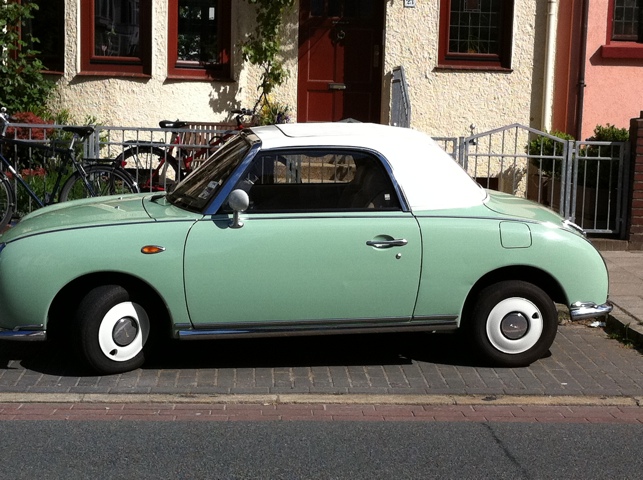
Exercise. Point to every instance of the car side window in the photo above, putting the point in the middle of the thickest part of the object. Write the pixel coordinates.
(318, 181)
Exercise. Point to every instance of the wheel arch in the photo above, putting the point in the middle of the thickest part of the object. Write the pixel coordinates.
(536, 276)
(66, 301)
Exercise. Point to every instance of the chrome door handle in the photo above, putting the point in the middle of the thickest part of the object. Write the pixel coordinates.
(400, 242)
(336, 86)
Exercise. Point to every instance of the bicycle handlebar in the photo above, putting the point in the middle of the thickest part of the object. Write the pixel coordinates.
(243, 111)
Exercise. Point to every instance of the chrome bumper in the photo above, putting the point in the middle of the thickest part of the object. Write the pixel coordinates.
(23, 335)
(581, 311)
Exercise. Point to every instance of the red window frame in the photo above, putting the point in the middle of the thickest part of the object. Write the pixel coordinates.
(196, 70)
(619, 48)
(93, 64)
(477, 61)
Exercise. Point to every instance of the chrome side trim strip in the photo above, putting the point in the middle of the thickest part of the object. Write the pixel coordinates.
(282, 329)
(23, 335)
(581, 311)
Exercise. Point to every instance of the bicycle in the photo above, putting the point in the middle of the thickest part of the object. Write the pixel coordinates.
(85, 181)
(158, 166)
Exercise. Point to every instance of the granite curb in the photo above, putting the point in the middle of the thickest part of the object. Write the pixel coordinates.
(628, 327)
(626, 294)
(318, 399)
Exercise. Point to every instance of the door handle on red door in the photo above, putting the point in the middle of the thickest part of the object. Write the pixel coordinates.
(336, 86)
(398, 242)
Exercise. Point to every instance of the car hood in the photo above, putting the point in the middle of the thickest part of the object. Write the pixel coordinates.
(516, 207)
(94, 212)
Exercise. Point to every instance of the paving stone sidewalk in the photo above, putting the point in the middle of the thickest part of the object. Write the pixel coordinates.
(626, 285)
(583, 361)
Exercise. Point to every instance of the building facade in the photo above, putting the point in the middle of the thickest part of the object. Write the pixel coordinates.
(599, 65)
(480, 63)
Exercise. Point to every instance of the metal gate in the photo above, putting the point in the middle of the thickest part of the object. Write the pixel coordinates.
(586, 182)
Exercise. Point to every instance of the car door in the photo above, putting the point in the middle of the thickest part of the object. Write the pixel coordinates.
(323, 240)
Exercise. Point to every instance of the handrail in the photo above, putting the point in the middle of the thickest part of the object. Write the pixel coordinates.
(400, 100)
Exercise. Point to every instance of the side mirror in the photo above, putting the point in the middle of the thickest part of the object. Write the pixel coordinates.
(239, 202)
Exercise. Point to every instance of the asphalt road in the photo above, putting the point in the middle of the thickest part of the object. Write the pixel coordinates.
(318, 450)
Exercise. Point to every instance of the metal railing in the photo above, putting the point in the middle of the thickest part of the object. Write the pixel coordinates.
(189, 146)
(586, 182)
(400, 101)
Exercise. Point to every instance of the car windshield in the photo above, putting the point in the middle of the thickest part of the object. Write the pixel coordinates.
(198, 189)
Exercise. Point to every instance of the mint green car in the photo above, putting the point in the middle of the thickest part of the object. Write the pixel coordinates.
(301, 229)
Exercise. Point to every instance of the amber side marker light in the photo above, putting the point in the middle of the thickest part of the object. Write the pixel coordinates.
(151, 249)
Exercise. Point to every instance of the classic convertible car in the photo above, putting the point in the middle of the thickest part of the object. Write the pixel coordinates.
(301, 229)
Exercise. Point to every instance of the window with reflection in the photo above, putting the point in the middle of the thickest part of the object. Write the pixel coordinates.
(116, 36)
(343, 8)
(48, 27)
(199, 38)
(318, 180)
(626, 20)
(476, 33)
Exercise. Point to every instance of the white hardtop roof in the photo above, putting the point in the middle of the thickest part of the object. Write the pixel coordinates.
(429, 177)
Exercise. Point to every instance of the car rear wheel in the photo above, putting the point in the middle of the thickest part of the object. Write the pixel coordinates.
(112, 330)
(514, 323)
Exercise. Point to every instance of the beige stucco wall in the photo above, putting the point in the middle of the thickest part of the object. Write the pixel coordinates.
(445, 103)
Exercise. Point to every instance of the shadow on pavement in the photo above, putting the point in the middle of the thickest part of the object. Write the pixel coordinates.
(344, 350)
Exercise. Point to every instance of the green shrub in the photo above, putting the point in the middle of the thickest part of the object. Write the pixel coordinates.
(609, 133)
(591, 171)
(542, 150)
(594, 167)
(23, 88)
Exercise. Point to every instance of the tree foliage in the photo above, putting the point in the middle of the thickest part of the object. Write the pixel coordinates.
(22, 84)
(263, 46)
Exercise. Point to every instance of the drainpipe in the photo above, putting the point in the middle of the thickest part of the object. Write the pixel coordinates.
(580, 99)
(550, 56)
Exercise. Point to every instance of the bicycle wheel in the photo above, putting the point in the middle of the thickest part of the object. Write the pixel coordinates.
(103, 179)
(7, 202)
(152, 167)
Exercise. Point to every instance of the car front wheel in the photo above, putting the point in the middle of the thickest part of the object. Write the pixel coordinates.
(112, 330)
(514, 323)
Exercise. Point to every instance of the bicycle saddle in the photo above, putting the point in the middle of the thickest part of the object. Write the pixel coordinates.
(85, 131)
(171, 124)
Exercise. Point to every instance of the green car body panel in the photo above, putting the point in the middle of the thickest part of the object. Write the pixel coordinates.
(296, 268)
(80, 238)
(461, 247)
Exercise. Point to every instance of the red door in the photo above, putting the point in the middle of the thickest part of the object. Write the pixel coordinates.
(340, 60)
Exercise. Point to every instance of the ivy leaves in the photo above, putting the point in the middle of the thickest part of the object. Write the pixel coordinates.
(22, 85)
(262, 47)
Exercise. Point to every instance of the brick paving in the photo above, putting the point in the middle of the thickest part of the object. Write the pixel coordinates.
(626, 281)
(321, 412)
(583, 362)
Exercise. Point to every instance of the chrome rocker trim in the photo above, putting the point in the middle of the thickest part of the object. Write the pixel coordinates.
(28, 333)
(276, 329)
(581, 311)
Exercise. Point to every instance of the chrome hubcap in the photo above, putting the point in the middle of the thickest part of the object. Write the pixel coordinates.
(125, 331)
(514, 326)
